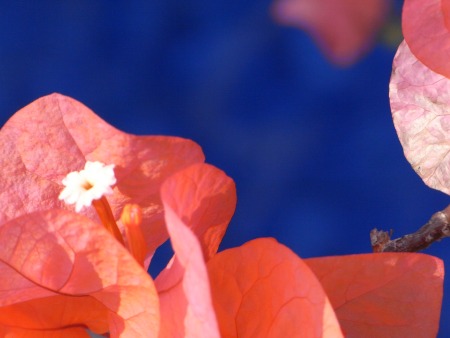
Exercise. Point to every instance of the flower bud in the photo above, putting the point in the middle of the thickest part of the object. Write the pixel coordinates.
(131, 218)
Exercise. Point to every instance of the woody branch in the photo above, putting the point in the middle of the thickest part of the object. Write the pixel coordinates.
(435, 229)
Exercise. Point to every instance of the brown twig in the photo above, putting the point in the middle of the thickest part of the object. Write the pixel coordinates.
(437, 228)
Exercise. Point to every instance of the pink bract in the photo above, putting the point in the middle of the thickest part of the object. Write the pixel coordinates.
(426, 28)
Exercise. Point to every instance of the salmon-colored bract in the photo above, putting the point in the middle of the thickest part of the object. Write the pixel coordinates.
(262, 289)
(62, 273)
(383, 295)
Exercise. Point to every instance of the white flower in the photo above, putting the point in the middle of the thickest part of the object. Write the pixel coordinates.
(91, 183)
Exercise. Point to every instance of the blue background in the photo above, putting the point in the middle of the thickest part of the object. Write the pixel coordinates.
(312, 147)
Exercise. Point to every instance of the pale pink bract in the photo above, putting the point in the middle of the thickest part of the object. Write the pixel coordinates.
(420, 102)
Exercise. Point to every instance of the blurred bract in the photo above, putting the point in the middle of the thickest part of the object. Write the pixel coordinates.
(344, 29)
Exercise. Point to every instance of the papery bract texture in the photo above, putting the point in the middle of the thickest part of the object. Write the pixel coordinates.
(420, 102)
(55, 135)
(426, 28)
(344, 29)
(383, 295)
(198, 202)
(262, 289)
(63, 273)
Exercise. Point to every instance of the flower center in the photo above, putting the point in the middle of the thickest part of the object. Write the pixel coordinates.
(86, 185)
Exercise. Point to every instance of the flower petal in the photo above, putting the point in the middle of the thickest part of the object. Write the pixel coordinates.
(420, 101)
(262, 289)
(383, 295)
(56, 135)
(426, 28)
(66, 271)
(344, 29)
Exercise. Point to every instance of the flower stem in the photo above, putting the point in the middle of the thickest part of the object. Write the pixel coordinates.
(437, 228)
(106, 216)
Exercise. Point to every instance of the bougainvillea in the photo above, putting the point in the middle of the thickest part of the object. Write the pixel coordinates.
(344, 29)
(65, 272)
